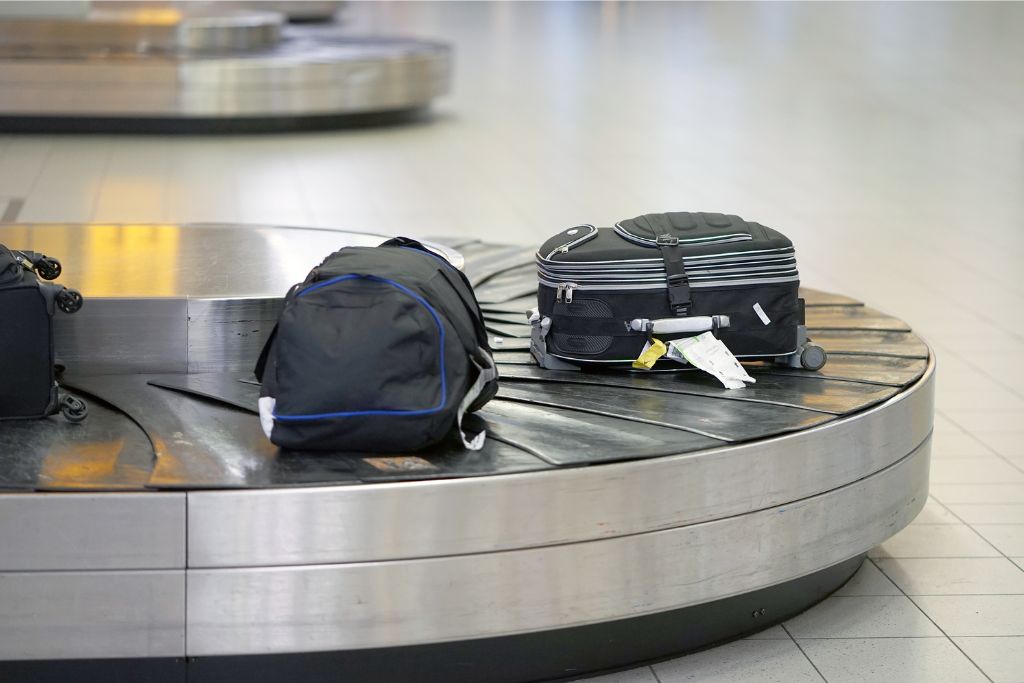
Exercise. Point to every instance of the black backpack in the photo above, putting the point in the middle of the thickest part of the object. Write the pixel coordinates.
(380, 349)
(28, 383)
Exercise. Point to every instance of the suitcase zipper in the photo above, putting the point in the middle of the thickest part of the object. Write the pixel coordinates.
(576, 241)
(563, 292)
(711, 239)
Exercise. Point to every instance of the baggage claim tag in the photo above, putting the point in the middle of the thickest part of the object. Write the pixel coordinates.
(712, 356)
(653, 350)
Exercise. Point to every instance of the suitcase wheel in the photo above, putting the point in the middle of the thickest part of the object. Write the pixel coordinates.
(73, 409)
(47, 268)
(813, 357)
(69, 301)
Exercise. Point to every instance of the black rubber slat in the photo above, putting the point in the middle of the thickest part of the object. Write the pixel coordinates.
(569, 437)
(816, 297)
(871, 343)
(500, 294)
(716, 418)
(513, 306)
(518, 260)
(448, 460)
(852, 318)
(507, 318)
(224, 387)
(204, 444)
(810, 393)
(508, 344)
(884, 370)
(508, 330)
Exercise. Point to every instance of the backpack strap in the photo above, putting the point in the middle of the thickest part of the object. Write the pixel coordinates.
(678, 283)
(485, 375)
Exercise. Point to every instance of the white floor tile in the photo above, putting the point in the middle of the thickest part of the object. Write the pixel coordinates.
(1019, 561)
(935, 540)
(1008, 444)
(976, 470)
(947, 576)
(935, 512)
(992, 421)
(868, 580)
(948, 494)
(766, 661)
(862, 617)
(1002, 658)
(891, 660)
(1008, 538)
(975, 615)
(640, 675)
(986, 513)
(773, 633)
(958, 445)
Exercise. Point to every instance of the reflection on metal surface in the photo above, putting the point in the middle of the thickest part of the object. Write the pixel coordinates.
(122, 28)
(190, 260)
(247, 528)
(46, 532)
(69, 615)
(349, 606)
(306, 74)
(107, 452)
(123, 258)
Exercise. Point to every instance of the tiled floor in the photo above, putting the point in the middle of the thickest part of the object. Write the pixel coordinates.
(885, 139)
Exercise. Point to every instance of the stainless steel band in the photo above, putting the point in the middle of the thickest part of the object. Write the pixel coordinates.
(517, 553)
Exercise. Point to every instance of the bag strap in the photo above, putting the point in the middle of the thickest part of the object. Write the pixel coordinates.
(678, 283)
(485, 375)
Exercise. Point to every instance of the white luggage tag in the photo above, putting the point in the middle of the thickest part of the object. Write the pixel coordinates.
(712, 356)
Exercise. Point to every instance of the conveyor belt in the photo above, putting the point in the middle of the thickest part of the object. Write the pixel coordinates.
(612, 517)
(207, 68)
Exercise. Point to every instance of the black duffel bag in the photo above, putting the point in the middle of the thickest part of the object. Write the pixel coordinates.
(380, 349)
(28, 386)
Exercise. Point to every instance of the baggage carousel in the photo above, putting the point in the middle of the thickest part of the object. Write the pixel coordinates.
(611, 519)
(207, 68)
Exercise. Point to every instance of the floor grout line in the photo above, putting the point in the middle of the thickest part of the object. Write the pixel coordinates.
(934, 623)
(803, 652)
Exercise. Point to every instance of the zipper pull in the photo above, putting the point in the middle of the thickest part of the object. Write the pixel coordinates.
(559, 292)
(568, 291)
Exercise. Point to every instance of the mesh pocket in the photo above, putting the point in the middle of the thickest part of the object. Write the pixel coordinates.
(580, 345)
(586, 308)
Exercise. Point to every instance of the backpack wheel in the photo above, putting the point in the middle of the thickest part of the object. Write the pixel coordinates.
(813, 357)
(69, 301)
(48, 268)
(73, 409)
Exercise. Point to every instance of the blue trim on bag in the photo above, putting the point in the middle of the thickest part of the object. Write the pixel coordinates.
(360, 413)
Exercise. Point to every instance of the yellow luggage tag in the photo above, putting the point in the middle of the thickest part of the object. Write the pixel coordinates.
(653, 350)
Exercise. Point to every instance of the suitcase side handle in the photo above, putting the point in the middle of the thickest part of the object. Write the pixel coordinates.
(693, 324)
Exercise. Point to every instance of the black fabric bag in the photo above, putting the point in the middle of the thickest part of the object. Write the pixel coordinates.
(28, 386)
(603, 291)
(380, 349)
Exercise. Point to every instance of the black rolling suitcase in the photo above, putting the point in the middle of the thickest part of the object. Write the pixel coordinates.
(603, 292)
(28, 386)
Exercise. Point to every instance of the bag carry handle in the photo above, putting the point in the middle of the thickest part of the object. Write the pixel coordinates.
(485, 375)
(694, 324)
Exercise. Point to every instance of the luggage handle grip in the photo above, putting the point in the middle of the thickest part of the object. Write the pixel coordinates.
(692, 324)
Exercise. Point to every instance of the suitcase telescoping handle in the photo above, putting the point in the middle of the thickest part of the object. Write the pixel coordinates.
(694, 324)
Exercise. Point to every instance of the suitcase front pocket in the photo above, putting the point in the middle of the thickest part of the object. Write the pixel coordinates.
(693, 229)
